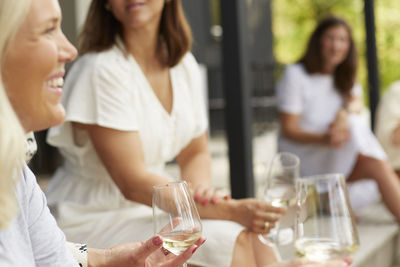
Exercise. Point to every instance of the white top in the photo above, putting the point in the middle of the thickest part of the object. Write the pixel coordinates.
(33, 238)
(316, 100)
(387, 119)
(109, 89)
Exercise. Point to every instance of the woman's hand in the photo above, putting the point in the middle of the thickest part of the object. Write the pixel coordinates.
(337, 137)
(204, 195)
(338, 132)
(257, 216)
(148, 254)
(305, 263)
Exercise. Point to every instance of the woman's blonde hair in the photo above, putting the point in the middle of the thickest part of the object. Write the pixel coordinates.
(12, 150)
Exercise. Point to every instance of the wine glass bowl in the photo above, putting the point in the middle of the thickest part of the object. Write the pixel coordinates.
(324, 225)
(175, 216)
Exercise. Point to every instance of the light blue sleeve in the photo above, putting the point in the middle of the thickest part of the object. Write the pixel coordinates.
(48, 241)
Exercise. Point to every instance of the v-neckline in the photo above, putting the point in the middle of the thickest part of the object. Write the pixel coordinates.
(150, 88)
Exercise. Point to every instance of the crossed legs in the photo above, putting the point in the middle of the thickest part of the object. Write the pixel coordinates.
(249, 251)
(385, 177)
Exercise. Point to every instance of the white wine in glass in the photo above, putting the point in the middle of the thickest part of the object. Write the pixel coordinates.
(179, 241)
(324, 226)
(280, 191)
(175, 216)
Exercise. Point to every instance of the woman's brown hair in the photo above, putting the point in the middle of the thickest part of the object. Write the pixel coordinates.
(345, 72)
(101, 29)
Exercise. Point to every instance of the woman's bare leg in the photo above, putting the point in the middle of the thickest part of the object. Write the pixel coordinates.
(398, 173)
(386, 178)
(263, 254)
(250, 252)
(243, 251)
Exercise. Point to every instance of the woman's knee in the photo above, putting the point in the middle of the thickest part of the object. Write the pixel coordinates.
(374, 167)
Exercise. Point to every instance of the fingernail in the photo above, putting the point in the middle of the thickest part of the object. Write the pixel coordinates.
(205, 202)
(196, 197)
(194, 250)
(203, 241)
(157, 241)
(214, 200)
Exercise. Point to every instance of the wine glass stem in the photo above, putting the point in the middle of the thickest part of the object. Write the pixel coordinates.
(276, 232)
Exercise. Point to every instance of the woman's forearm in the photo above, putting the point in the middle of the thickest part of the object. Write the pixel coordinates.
(139, 187)
(197, 170)
(96, 257)
(290, 128)
(222, 210)
(307, 137)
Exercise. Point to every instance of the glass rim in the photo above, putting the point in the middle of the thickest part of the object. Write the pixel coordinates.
(321, 177)
(294, 156)
(169, 184)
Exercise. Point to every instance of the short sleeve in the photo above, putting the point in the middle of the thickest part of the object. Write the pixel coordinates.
(196, 77)
(288, 91)
(98, 92)
(357, 90)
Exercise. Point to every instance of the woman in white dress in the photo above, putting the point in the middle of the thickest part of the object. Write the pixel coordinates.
(134, 101)
(319, 102)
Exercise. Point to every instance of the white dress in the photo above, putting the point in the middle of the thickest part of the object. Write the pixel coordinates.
(316, 100)
(110, 90)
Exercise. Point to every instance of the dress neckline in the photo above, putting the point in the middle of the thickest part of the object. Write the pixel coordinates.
(171, 73)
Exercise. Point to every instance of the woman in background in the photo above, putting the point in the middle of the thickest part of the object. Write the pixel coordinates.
(319, 101)
(134, 101)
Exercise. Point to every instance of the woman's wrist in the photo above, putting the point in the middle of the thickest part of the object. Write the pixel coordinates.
(96, 257)
(222, 210)
(324, 138)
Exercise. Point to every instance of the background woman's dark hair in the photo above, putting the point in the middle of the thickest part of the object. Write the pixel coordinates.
(101, 28)
(345, 72)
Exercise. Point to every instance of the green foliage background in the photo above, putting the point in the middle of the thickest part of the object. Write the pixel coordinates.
(294, 20)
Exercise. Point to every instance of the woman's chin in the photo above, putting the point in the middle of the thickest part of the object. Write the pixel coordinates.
(56, 118)
(59, 117)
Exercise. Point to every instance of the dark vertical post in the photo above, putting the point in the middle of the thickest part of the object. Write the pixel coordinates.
(373, 74)
(236, 82)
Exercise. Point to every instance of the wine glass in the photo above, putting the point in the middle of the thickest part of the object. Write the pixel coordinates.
(280, 192)
(175, 216)
(324, 225)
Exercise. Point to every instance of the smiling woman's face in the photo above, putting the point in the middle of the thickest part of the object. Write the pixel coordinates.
(33, 67)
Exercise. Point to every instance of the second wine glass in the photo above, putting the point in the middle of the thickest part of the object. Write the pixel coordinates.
(175, 216)
(324, 226)
(280, 192)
